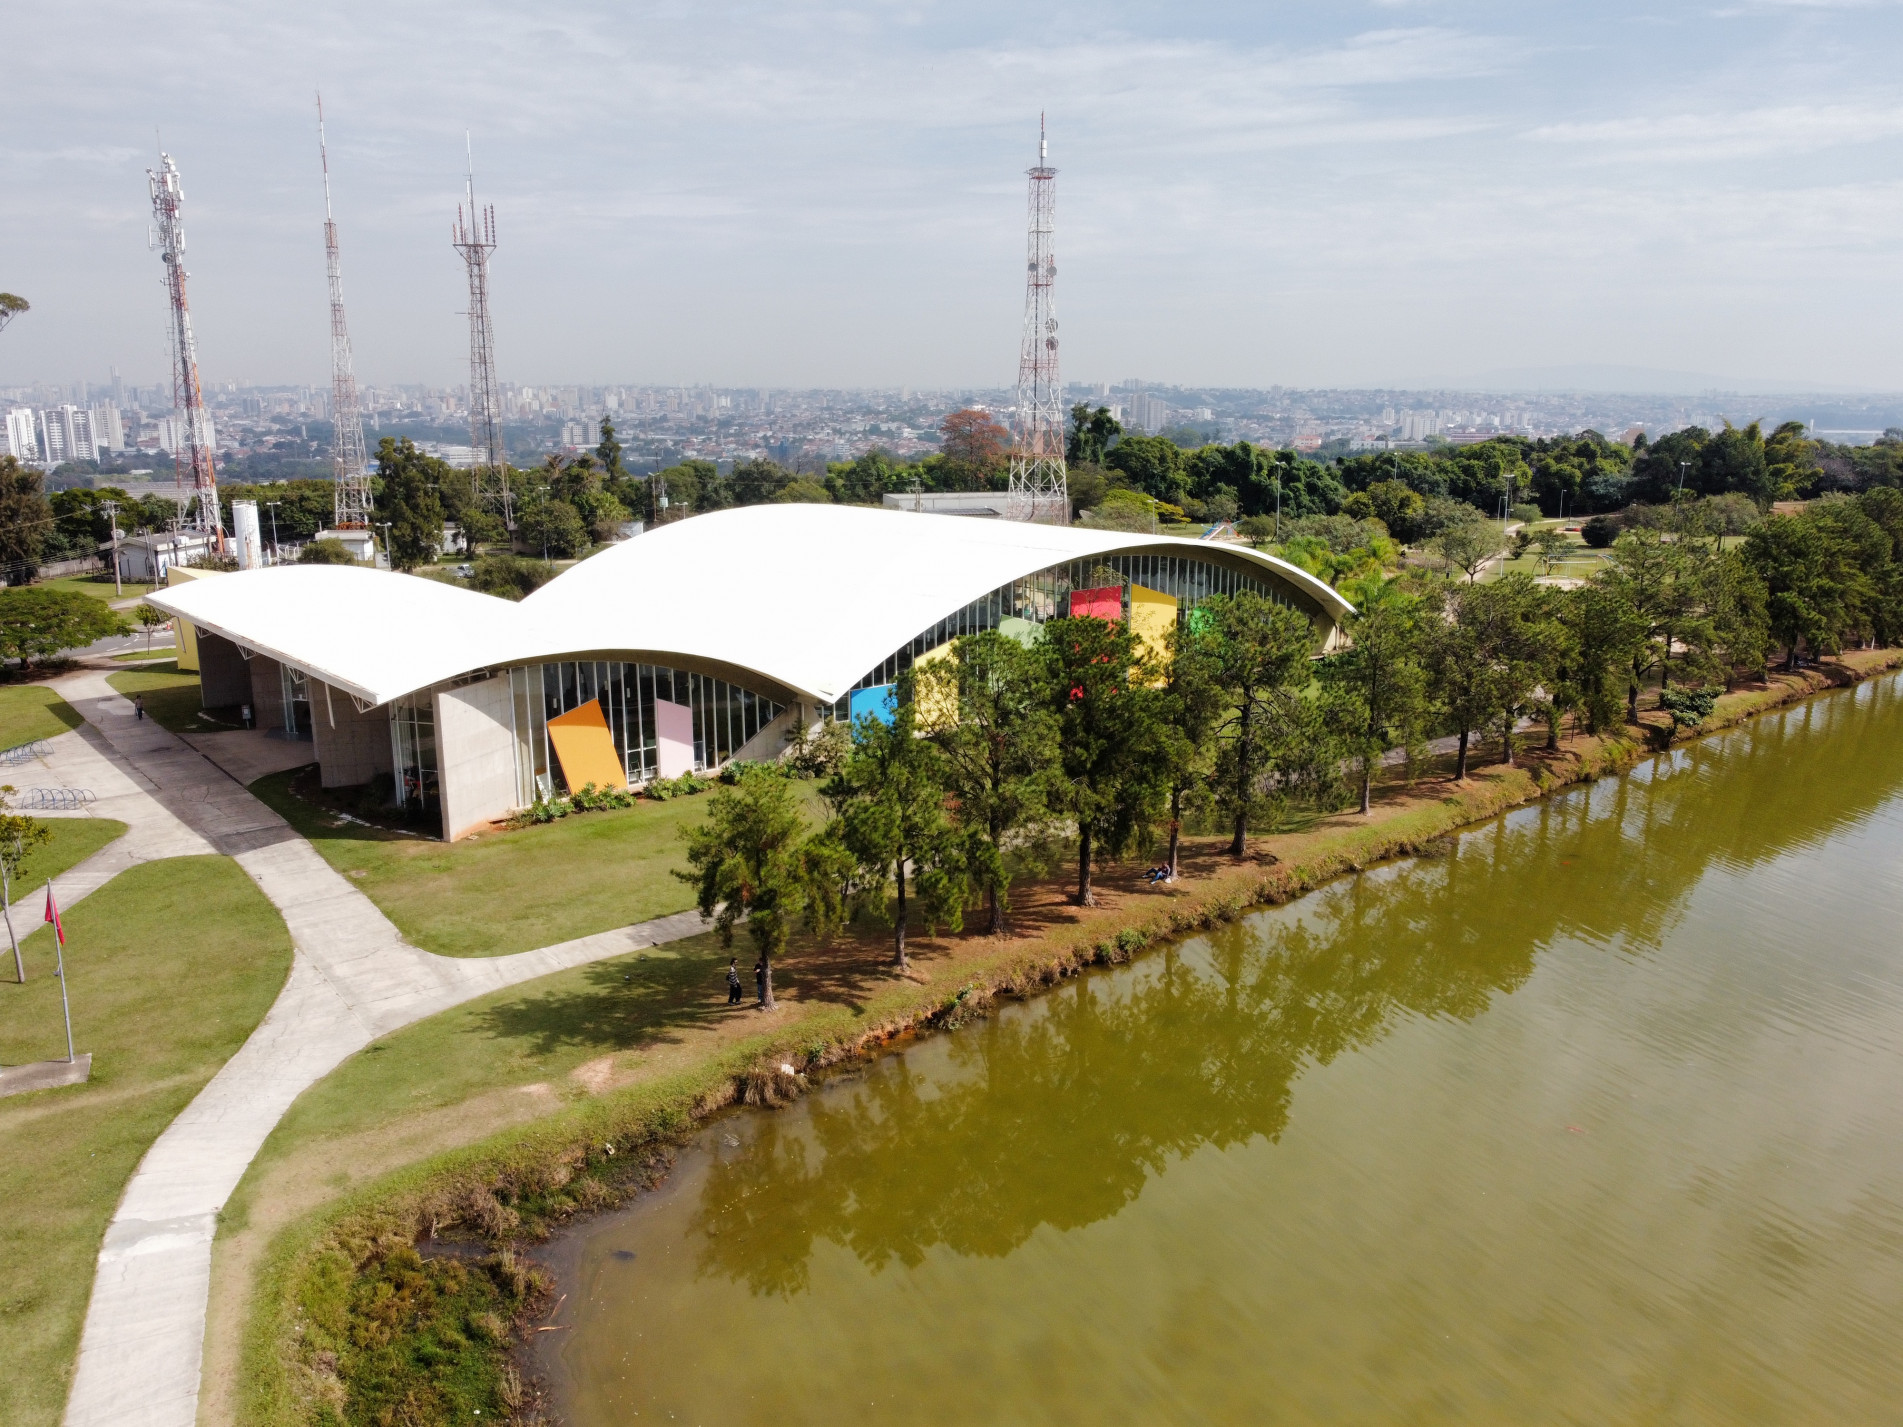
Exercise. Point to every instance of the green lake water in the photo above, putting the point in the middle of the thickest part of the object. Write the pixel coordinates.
(1597, 1118)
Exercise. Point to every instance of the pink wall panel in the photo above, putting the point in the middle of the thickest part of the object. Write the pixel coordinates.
(673, 738)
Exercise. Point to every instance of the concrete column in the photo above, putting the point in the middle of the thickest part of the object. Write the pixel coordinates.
(352, 747)
(267, 692)
(475, 756)
(224, 676)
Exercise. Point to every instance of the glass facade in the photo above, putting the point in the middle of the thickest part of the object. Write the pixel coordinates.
(413, 749)
(1046, 595)
(725, 716)
(296, 686)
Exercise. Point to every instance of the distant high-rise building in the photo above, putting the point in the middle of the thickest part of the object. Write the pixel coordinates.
(66, 434)
(1147, 413)
(22, 437)
(109, 431)
(171, 432)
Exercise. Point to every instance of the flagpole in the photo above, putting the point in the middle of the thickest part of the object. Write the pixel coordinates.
(6, 909)
(59, 954)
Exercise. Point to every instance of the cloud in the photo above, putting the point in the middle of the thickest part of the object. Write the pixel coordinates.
(1791, 128)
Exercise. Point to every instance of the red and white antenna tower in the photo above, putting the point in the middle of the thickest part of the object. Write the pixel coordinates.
(191, 457)
(1039, 488)
(350, 463)
(475, 238)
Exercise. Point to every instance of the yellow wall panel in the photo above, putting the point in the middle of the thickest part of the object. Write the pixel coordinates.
(937, 702)
(1152, 617)
(187, 632)
(586, 748)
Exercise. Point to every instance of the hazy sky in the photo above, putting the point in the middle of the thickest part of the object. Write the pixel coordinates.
(807, 194)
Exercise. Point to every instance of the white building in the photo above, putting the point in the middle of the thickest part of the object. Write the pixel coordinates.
(146, 558)
(699, 643)
(22, 434)
(171, 431)
(109, 431)
(1147, 413)
(66, 434)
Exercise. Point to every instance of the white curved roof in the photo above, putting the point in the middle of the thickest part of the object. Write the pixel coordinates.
(810, 596)
(815, 595)
(374, 634)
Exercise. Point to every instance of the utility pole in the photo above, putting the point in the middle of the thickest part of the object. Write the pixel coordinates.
(111, 508)
(274, 529)
(1040, 488)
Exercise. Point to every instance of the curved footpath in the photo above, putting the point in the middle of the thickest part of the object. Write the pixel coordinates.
(353, 978)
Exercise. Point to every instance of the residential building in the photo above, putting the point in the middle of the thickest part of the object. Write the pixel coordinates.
(23, 439)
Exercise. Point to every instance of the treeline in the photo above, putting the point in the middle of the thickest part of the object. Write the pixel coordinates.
(1088, 733)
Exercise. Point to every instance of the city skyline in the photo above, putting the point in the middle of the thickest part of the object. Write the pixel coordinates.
(1393, 196)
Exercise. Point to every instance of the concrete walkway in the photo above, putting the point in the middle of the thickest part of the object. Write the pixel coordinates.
(353, 978)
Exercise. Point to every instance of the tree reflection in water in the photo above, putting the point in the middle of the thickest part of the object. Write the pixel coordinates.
(1058, 1113)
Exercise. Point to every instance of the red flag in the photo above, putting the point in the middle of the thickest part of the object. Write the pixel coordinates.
(52, 915)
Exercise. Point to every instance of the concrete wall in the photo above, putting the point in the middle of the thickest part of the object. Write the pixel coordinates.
(475, 756)
(224, 675)
(267, 691)
(769, 744)
(352, 747)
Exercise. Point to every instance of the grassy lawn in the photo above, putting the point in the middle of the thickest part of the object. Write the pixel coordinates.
(160, 1009)
(98, 589)
(171, 698)
(507, 891)
(30, 711)
(157, 651)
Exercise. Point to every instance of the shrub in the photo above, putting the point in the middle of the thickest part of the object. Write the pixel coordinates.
(507, 577)
(329, 551)
(591, 799)
(1600, 532)
(661, 789)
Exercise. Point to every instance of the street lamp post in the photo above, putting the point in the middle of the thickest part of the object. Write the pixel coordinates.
(274, 529)
(1683, 466)
(388, 554)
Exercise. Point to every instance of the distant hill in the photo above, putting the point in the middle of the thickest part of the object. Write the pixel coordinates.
(1653, 381)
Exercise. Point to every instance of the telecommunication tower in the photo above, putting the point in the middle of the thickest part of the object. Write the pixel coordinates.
(1039, 489)
(475, 238)
(349, 462)
(191, 458)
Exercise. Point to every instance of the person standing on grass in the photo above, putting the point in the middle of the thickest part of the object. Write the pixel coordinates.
(733, 981)
(759, 980)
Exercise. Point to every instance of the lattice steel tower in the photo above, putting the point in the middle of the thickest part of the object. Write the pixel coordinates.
(475, 238)
(1039, 489)
(349, 461)
(192, 456)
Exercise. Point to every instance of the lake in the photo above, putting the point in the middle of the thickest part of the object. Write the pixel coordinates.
(1595, 1117)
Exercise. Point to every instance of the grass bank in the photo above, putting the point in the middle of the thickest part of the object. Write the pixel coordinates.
(504, 891)
(99, 589)
(170, 966)
(30, 711)
(592, 1075)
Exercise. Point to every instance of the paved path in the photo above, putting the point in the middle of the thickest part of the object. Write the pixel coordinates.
(353, 978)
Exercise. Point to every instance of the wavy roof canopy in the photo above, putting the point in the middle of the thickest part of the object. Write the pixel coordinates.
(815, 595)
(374, 634)
(810, 596)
